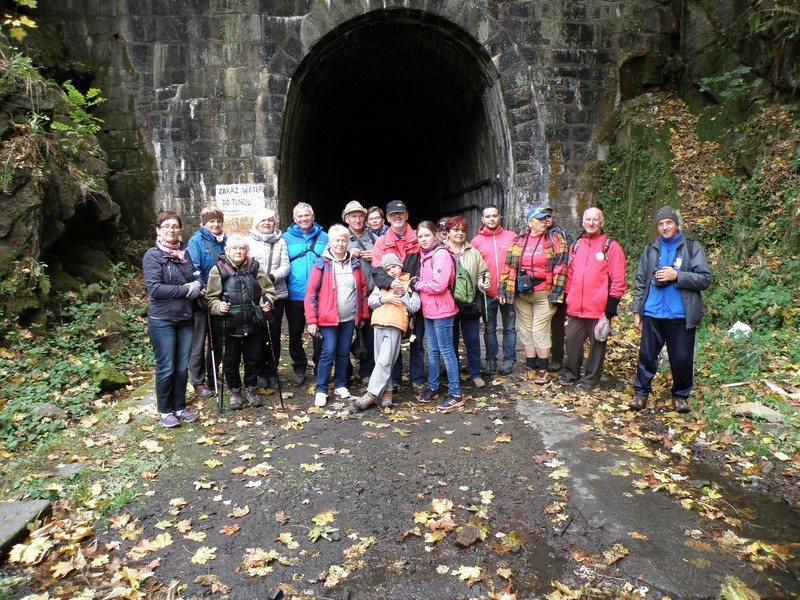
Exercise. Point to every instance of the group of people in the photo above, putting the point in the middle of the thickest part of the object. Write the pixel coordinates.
(224, 298)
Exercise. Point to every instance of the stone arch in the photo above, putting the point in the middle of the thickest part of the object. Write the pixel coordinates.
(395, 104)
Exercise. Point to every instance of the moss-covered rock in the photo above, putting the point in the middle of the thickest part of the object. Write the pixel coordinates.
(113, 332)
(108, 379)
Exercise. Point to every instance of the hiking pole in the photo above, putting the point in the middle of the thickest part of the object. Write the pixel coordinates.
(223, 298)
(275, 363)
(213, 361)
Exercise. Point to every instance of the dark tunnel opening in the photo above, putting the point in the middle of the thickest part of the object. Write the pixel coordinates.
(394, 105)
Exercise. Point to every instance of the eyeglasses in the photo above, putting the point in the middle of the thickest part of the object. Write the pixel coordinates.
(442, 226)
(170, 227)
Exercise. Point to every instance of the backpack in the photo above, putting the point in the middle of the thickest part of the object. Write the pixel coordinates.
(463, 288)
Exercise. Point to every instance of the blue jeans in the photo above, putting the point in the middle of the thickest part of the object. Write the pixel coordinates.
(440, 343)
(509, 330)
(470, 330)
(172, 343)
(335, 353)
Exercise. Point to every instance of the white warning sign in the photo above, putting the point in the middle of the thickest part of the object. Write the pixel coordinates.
(240, 199)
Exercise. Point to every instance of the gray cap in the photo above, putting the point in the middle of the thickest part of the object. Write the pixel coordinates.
(667, 212)
(390, 259)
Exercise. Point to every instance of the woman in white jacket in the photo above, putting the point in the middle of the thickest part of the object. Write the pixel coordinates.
(267, 246)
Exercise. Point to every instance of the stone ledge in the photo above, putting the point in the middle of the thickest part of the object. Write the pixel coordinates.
(14, 519)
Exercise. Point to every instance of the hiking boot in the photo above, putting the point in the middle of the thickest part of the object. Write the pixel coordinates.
(555, 366)
(362, 403)
(263, 382)
(586, 388)
(299, 378)
(273, 383)
(254, 397)
(169, 421)
(479, 382)
(638, 402)
(320, 399)
(429, 396)
(541, 376)
(187, 416)
(491, 367)
(201, 391)
(450, 402)
(386, 400)
(342, 393)
(396, 388)
(419, 389)
(235, 399)
(680, 404)
(507, 367)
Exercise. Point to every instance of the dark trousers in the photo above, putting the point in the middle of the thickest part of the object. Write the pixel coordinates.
(271, 357)
(680, 347)
(296, 320)
(577, 332)
(416, 358)
(558, 326)
(248, 347)
(366, 364)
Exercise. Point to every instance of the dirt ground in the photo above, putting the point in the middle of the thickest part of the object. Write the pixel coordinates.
(522, 493)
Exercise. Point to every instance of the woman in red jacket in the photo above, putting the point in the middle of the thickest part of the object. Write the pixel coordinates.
(335, 302)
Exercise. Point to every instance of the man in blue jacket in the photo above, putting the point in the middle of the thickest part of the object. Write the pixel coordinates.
(667, 308)
(305, 241)
(205, 247)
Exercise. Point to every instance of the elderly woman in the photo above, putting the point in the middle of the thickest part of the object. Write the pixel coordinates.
(468, 325)
(437, 273)
(171, 287)
(335, 302)
(238, 288)
(533, 280)
(270, 250)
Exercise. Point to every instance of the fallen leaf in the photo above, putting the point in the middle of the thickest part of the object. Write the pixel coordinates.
(204, 554)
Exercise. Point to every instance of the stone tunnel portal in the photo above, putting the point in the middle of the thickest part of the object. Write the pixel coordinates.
(394, 105)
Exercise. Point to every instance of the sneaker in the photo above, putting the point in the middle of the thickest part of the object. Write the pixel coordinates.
(342, 393)
(680, 404)
(386, 400)
(479, 382)
(507, 367)
(201, 391)
(429, 396)
(320, 399)
(254, 397)
(541, 377)
(586, 388)
(638, 403)
(419, 389)
(169, 421)
(299, 378)
(235, 399)
(450, 402)
(187, 416)
(396, 388)
(566, 380)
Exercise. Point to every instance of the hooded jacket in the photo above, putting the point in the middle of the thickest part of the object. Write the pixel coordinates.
(303, 249)
(166, 278)
(493, 246)
(406, 248)
(436, 276)
(202, 257)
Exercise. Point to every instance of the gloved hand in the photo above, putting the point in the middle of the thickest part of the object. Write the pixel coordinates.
(412, 283)
(271, 277)
(193, 289)
(611, 307)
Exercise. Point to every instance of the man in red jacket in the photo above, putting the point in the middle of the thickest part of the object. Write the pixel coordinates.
(493, 242)
(595, 284)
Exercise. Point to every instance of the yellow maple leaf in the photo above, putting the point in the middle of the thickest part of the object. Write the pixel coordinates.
(150, 446)
(28, 554)
(312, 468)
(62, 569)
(239, 512)
(212, 463)
(195, 536)
(441, 506)
(204, 554)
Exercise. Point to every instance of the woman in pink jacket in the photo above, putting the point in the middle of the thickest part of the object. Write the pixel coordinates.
(437, 273)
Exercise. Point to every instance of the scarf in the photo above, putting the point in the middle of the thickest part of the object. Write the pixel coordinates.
(173, 250)
(266, 238)
(431, 248)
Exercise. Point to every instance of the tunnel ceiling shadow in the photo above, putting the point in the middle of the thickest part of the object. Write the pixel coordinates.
(390, 105)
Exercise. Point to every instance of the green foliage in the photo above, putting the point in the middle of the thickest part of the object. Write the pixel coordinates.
(17, 25)
(782, 20)
(56, 367)
(78, 133)
(735, 85)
